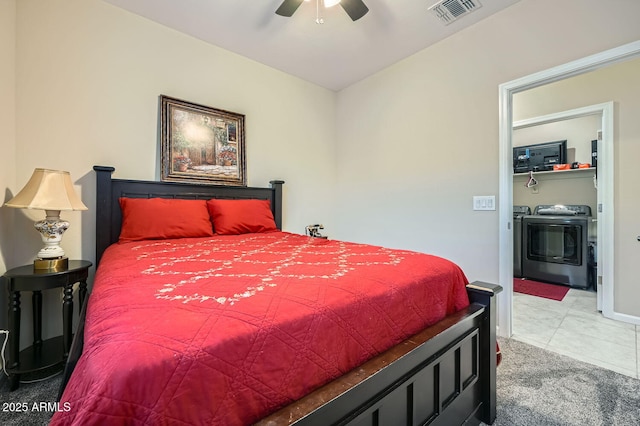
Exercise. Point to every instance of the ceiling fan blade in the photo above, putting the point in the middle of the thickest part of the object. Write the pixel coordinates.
(288, 7)
(356, 9)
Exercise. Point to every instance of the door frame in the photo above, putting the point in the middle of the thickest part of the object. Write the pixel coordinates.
(605, 230)
(605, 179)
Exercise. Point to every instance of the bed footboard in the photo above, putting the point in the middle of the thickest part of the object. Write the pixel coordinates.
(445, 375)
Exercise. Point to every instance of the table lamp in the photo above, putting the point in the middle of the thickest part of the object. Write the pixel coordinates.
(51, 191)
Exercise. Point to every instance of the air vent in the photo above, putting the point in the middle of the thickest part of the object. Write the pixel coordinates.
(449, 10)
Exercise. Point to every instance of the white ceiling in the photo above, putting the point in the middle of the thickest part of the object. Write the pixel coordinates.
(334, 55)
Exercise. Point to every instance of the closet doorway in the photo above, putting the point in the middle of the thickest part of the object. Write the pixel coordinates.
(605, 180)
(580, 126)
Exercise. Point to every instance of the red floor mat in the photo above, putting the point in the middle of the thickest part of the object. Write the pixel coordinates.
(536, 288)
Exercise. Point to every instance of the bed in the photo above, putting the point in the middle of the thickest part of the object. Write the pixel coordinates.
(298, 330)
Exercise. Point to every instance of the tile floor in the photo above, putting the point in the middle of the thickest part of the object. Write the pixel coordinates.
(573, 327)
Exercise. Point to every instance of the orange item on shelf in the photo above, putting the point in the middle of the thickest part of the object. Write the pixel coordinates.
(584, 166)
(562, 167)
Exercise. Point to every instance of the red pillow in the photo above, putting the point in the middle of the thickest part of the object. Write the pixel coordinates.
(161, 218)
(231, 217)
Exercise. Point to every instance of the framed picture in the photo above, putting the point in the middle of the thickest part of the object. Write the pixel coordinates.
(200, 144)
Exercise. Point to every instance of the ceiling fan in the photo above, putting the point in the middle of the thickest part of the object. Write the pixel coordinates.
(356, 9)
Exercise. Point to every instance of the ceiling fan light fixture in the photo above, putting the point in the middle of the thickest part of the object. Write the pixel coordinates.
(356, 9)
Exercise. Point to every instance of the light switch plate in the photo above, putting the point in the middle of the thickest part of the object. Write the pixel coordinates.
(484, 202)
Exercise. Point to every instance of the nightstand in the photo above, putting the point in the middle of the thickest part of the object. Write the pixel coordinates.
(42, 355)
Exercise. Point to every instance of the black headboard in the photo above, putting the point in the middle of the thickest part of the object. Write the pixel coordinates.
(109, 216)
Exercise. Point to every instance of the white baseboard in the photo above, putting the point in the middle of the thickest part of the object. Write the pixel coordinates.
(625, 318)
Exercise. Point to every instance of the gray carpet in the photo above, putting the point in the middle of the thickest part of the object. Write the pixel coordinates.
(538, 387)
(13, 404)
(535, 388)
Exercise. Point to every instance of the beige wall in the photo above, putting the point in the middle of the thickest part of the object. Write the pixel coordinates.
(619, 83)
(88, 80)
(7, 137)
(572, 187)
(89, 77)
(420, 139)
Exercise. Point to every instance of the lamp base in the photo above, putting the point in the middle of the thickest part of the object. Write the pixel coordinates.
(56, 264)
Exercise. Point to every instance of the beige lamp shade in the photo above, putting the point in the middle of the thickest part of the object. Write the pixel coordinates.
(52, 191)
(48, 190)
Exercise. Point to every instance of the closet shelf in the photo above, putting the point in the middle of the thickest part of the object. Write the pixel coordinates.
(526, 174)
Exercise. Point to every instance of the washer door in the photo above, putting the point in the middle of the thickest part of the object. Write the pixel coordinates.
(554, 243)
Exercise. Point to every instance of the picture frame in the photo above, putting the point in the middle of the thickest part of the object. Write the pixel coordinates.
(201, 144)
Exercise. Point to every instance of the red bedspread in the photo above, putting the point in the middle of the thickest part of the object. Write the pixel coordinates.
(226, 330)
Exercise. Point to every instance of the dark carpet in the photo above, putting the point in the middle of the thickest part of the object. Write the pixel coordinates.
(535, 388)
(30, 404)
